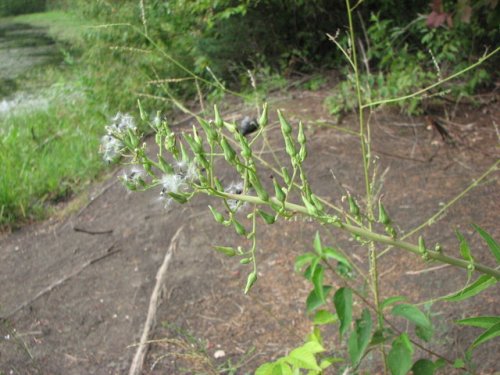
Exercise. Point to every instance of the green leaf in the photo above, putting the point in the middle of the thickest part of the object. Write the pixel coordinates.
(328, 361)
(483, 282)
(489, 334)
(325, 317)
(304, 358)
(332, 253)
(275, 368)
(492, 244)
(360, 337)
(317, 280)
(413, 314)
(317, 245)
(399, 358)
(313, 301)
(464, 247)
(480, 321)
(343, 305)
(424, 333)
(303, 260)
(391, 301)
(423, 367)
(459, 363)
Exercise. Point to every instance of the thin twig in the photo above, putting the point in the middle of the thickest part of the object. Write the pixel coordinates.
(154, 302)
(89, 231)
(60, 281)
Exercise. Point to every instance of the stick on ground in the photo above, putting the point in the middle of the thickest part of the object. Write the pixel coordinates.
(154, 302)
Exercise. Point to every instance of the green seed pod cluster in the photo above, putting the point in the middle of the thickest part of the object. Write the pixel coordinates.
(423, 249)
(311, 208)
(384, 219)
(209, 130)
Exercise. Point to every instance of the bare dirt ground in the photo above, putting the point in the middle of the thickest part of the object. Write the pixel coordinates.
(75, 292)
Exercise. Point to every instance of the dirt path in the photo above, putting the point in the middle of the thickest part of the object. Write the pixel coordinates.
(75, 294)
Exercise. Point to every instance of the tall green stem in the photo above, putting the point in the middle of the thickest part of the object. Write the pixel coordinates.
(366, 155)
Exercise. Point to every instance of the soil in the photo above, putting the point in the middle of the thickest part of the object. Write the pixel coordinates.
(75, 291)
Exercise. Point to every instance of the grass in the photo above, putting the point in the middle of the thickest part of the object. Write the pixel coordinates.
(62, 26)
(46, 155)
(49, 153)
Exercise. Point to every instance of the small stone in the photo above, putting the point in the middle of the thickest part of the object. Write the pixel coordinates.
(219, 354)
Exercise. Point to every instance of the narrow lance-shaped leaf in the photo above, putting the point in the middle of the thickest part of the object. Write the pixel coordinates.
(464, 247)
(480, 321)
(492, 244)
(483, 282)
(317, 244)
(489, 334)
(317, 280)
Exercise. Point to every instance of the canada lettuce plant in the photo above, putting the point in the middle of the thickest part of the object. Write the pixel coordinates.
(185, 165)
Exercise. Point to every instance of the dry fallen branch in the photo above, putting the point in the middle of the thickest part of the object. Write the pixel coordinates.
(58, 282)
(154, 302)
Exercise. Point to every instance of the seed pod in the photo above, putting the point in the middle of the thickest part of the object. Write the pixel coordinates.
(217, 215)
(285, 126)
(269, 219)
(231, 127)
(218, 120)
(383, 217)
(229, 251)
(207, 128)
(264, 117)
(311, 209)
(301, 136)
(179, 198)
(317, 203)
(229, 153)
(286, 176)
(302, 154)
(245, 260)
(280, 195)
(197, 148)
(290, 148)
(240, 229)
(353, 206)
(261, 192)
(252, 278)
